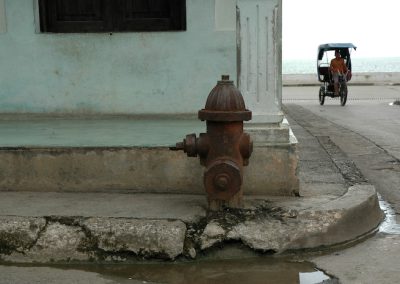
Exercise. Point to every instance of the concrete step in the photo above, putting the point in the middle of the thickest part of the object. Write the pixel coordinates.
(126, 153)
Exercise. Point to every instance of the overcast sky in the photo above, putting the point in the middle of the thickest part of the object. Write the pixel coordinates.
(372, 26)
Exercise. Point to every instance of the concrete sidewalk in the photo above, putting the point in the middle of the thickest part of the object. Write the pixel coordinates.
(336, 205)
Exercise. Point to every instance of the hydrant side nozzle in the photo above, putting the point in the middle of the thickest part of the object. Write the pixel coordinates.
(178, 147)
(203, 144)
(246, 146)
(190, 145)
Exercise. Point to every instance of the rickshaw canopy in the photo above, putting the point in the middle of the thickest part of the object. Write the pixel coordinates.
(343, 47)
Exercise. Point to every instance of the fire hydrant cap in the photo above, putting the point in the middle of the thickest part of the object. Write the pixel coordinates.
(225, 103)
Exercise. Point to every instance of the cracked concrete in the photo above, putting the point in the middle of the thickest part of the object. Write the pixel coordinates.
(147, 238)
(24, 239)
(277, 225)
(19, 233)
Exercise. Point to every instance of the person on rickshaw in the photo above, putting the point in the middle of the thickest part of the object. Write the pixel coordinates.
(337, 68)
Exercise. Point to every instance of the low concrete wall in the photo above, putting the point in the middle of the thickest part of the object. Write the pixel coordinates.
(367, 78)
(272, 170)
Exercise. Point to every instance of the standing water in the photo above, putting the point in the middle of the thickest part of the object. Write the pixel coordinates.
(261, 269)
(254, 270)
(389, 225)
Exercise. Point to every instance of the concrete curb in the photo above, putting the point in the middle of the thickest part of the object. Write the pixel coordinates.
(297, 226)
(268, 225)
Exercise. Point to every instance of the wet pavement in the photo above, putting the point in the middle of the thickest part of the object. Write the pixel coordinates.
(389, 224)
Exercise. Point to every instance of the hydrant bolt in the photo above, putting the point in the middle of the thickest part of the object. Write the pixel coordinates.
(222, 180)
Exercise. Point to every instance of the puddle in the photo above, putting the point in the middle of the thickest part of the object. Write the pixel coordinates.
(312, 277)
(253, 270)
(389, 225)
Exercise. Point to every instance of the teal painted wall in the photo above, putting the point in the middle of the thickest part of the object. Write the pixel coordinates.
(122, 73)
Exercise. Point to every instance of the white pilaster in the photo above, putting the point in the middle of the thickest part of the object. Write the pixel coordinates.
(259, 40)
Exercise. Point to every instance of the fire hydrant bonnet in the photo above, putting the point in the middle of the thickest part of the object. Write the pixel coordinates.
(225, 103)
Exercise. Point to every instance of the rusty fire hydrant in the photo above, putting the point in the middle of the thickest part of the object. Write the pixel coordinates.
(225, 148)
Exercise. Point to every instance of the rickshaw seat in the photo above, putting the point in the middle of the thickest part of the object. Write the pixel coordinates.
(324, 73)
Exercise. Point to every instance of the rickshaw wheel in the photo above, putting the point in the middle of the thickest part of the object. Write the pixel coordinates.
(343, 95)
(321, 96)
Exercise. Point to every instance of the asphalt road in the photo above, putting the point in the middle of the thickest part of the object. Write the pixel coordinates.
(367, 130)
(367, 111)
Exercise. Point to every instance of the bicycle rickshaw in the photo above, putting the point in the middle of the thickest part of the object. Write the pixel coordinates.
(325, 52)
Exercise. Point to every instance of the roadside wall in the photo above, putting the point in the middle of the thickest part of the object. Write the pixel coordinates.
(367, 78)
